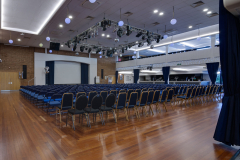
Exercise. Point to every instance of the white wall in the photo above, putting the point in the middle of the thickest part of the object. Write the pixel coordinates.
(128, 78)
(67, 72)
(41, 58)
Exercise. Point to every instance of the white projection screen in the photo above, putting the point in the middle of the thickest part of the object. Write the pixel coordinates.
(67, 72)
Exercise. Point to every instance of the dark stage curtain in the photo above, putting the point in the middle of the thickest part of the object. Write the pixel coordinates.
(166, 71)
(212, 71)
(228, 126)
(84, 73)
(136, 75)
(50, 75)
(116, 76)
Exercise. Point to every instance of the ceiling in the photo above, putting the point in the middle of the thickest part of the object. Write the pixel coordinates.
(35, 14)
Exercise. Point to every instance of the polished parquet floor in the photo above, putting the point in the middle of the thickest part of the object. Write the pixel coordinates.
(186, 133)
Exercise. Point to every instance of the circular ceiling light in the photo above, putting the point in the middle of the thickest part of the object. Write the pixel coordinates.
(108, 36)
(209, 12)
(40, 45)
(92, 1)
(165, 36)
(67, 20)
(120, 23)
(50, 51)
(103, 35)
(155, 11)
(60, 25)
(48, 38)
(205, 10)
(10, 41)
(161, 13)
(70, 17)
(190, 27)
(62, 45)
(19, 39)
(173, 21)
(136, 41)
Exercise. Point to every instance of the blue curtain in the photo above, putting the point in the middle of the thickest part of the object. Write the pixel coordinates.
(50, 75)
(116, 74)
(166, 71)
(136, 75)
(84, 73)
(212, 71)
(228, 126)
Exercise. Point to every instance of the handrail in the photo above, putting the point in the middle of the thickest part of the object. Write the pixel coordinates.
(31, 80)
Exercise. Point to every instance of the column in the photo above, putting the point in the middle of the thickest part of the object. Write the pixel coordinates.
(116, 58)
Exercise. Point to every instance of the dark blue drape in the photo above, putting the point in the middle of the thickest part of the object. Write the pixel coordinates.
(228, 126)
(116, 76)
(50, 75)
(166, 71)
(136, 75)
(84, 73)
(212, 71)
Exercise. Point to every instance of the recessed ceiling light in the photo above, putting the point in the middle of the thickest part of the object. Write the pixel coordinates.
(103, 35)
(205, 10)
(70, 17)
(190, 27)
(62, 45)
(60, 25)
(19, 39)
(209, 12)
(108, 35)
(136, 41)
(161, 13)
(155, 11)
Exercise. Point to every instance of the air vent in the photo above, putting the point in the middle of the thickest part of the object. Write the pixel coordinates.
(156, 23)
(70, 30)
(89, 5)
(128, 14)
(27, 37)
(89, 18)
(212, 14)
(197, 4)
(171, 31)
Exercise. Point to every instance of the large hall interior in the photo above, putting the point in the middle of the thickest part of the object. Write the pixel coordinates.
(120, 79)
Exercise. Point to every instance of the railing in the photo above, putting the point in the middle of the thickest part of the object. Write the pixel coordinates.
(31, 80)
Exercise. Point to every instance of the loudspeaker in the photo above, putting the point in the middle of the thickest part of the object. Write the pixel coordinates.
(24, 71)
(101, 73)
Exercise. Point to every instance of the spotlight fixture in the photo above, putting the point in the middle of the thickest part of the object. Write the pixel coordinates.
(161, 13)
(155, 11)
(122, 49)
(149, 41)
(143, 37)
(74, 47)
(67, 20)
(173, 21)
(139, 34)
(120, 23)
(50, 51)
(116, 40)
(120, 32)
(151, 47)
(209, 12)
(68, 44)
(89, 50)
(19, 39)
(140, 44)
(40, 45)
(82, 48)
(92, 1)
(60, 25)
(77, 54)
(205, 10)
(158, 38)
(129, 31)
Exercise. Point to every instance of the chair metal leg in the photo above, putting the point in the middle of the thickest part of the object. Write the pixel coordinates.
(60, 116)
(114, 115)
(56, 113)
(165, 106)
(66, 119)
(126, 114)
(89, 121)
(103, 119)
(73, 119)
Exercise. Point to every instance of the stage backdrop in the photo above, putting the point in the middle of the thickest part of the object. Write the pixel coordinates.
(41, 58)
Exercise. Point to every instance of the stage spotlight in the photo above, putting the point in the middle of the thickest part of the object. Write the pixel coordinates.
(129, 31)
(89, 50)
(143, 37)
(139, 34)
(122, 49)
(140, 44)
(120, 32)
(103, 52)
(151, 47)
(75, 46)
(68, 44)
(126, 48)
(82, 48)
(86, 48)
(149, 41)
(158, 39)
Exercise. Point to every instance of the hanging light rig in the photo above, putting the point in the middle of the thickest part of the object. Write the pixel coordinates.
(67, 20)
(120, 23)
(10, 40)
(173, 21)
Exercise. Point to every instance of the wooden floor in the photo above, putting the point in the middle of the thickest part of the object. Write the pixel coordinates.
(27, 132)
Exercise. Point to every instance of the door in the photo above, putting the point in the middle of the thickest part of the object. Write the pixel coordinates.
(9, 81)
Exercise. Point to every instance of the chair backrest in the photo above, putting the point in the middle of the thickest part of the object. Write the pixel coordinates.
(144, 97)
(129, 93)
(91, 95)
(170, 94)
(67, 100)
(144, 89)
(122, 91)
(164, 95)
(113, 92)
(122, 98)
(104, 95)
(189, 92)
(184, 90)
(139, 92)
(150, 96)
(133, 98)
(150, 89)
(81, 102)
(80, 94)
(96, 102)
(198, 91)
(193, 92)
(110, 100)
(156, 95)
